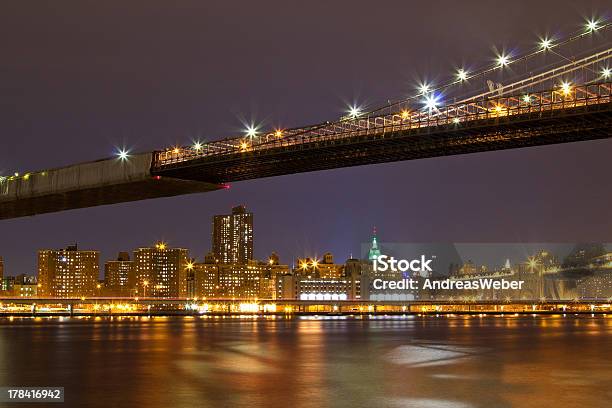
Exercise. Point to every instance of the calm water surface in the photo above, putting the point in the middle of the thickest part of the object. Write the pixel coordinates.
(448, 362)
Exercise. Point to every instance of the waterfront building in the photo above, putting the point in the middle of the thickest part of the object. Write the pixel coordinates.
(7, 284)
(120, 276)
(255, 279)
(332, 282)
(315, 268)
(232, 236)
(206, 278)
(67, 272)
(161, 271)
(24, 289)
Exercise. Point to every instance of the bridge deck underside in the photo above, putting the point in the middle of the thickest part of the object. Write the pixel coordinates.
(103, 195)
(588, 122)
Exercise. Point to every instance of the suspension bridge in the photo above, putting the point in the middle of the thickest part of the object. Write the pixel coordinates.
(568, 101)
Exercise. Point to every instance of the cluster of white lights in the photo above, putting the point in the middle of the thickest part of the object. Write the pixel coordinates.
(606, 72)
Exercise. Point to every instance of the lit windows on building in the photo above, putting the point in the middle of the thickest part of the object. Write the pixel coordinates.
(161, 271)
(68, 272)
(120, 276)
(232, 237)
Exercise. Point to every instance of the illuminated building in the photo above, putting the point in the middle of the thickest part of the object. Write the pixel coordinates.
(67, 272)
(25, 290)
(374, 251)
(7, 284)
(120, 276)
(332, 282)
(271, 273)
(232, 237)
(240, 280)
(161, 271)
(254, 279)
(19, 286)
(206, 277)
(324, 268)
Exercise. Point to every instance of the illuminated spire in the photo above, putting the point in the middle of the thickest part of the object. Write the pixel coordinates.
(374, 251)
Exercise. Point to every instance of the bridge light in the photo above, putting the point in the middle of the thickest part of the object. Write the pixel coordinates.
(278, 133)
(424, 88)
(462, 75)
(354, 111)
(527, 99)
(197, 146)
(606, 72)
(405, 114)
(455, 120)
(431, 102)
(251, 131)
(244, 146)
(123, 154)
(592, 25)
(545, 44)
(502, 60)
(498, 108)
(176, 150)
(566, 88)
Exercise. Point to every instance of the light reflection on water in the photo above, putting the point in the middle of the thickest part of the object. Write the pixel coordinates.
(447, 362)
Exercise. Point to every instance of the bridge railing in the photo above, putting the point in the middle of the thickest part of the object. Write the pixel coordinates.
(457, 115)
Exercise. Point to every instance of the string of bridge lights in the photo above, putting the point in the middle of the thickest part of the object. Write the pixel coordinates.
(428, 93)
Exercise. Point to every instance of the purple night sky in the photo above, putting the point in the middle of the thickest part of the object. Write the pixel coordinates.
(79, 78)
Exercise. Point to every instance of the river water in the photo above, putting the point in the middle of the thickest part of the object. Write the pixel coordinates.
(447, 362)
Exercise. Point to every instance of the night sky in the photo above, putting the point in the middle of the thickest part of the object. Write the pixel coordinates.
(79, 78)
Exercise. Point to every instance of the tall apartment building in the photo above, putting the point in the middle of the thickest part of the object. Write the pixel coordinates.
(68, 272)
(120, 276)
(232, 237)
(161, 271)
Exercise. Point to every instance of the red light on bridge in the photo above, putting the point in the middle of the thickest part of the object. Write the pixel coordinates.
(157, 177)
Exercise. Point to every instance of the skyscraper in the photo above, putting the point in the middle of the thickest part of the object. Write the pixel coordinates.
(161, 271)
(232, 239)
(68, 272)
